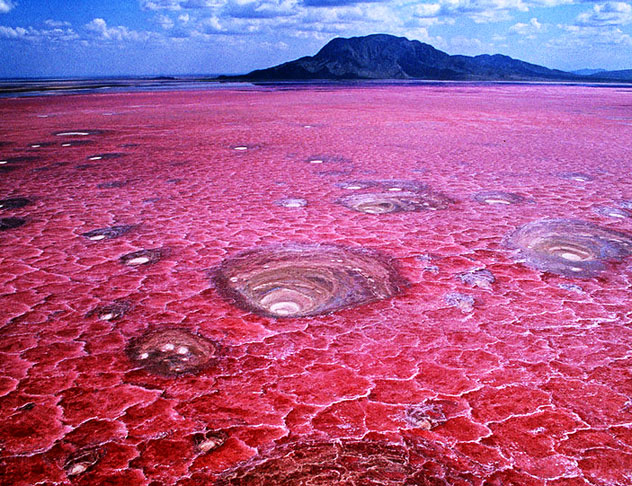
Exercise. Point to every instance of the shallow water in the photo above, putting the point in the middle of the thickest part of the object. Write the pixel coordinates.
(420, 346)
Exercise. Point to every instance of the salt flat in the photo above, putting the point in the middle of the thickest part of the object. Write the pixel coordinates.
(394, 285)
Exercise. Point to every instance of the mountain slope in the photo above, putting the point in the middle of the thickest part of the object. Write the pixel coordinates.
(382, 56)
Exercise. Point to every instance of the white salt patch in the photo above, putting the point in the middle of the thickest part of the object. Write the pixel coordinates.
(395, 189)
(616, 215)
(96, 157)
(373, 211)
(96, 237)
(168, 347)
(353, 187)
(182, 350)
(2, 162)
(72, 134)
(42, 116)
(66, 144)
(106, 317)
(144, 356)
(241, 147)
(138, 261)
(285, 308)
(497, 201)
(77, 469)
(293, 203)
(580, 179)
(316, 161)
(574, 257)
(207, 445)
(36, 146)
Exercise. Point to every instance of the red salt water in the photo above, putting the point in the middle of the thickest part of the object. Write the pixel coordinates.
(475, 368)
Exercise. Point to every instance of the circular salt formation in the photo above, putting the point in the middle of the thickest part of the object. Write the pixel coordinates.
(113, 155)
(82, 460)
(110, 312)
(498, 198)
(77, 143)
(209, 440)
(292, 202)
(107, 233)
(298, 280)
(112, 185)
(570, 247)
(172, 352)
(392, 185)
(14, 203)
(392, 196)
(142, 257)
(352, 462)
(577, 176)
(11, 223)
(20, 159)
(348, 462)
(41, 144)
(395, 201)
(78, 133)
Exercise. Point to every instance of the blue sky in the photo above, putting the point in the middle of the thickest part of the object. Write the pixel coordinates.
(115, 37)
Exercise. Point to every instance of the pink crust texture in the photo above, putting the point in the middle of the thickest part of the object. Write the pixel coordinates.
(486, 343)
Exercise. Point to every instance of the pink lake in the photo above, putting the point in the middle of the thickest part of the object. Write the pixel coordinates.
(378, 285)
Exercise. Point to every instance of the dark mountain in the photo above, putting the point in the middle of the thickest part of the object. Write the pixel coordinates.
(382, 56)
(622, 75)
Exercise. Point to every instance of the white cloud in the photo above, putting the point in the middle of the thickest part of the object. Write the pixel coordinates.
(608, 13)
(528, 30)
(590, 37)
(99, 27)
(262, 9)
(176, 5)
(482, 11)
(13, 32)
(38, 35)
(165, 21)
(56, 23)
(6, 6)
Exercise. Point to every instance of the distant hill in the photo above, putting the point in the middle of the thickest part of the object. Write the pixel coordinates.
(622, 75)
(382, 56)
(588, 72)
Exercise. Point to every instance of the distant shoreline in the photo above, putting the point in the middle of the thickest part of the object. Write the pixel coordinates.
(25, 87)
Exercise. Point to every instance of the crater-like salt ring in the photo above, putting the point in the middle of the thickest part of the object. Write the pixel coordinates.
(299, 280)
(390, 202)
(360, 462)
(570, 247)
(172, 352)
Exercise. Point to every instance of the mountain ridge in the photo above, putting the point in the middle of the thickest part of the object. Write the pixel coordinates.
(384, 56)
